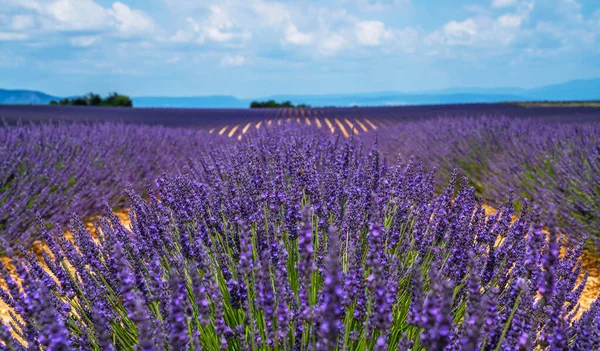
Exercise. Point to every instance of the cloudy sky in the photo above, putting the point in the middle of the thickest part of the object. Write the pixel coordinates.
(252, 48)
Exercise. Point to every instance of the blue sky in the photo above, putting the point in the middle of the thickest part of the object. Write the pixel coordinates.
(252, 48)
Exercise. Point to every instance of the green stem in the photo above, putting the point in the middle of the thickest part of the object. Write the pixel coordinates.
(508, 323)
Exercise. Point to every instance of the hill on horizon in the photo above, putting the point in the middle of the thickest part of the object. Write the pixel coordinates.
(25, 97)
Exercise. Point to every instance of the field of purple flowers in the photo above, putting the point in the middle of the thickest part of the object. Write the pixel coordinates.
(556, 165)
(51, 172)
(295, 237)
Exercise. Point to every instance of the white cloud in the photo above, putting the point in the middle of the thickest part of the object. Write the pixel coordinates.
(219, 27)
(331, 44)
(22, 22)
(76, 15)
(294, 36)
(81, 15)
(232, 61)
(131, 22)
(11, 36)
(380, 5)
(276, 15)
(406, 39)
(503, 3)
(186, 35)
(33, 5)
(85, 41)
(219, 18)
(216, 34)
(482, 30)
(570, 9)
(233, 23)
(272, 13)
(181, 36)
(510, 21)
(340, 30)
(298, 29)
(370, 33)
(456, 33)
(569, 30)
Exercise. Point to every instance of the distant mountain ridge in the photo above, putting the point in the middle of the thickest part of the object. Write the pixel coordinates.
(588, 89)
(25, 97)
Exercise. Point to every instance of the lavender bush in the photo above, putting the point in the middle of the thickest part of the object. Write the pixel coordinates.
(295, 240)
(556, 165)
(52, 169)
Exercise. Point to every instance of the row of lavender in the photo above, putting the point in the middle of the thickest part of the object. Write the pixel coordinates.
(557, 165)
(296, 240)
(54, 170)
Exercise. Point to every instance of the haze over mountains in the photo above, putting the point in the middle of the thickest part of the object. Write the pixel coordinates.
(571, 90)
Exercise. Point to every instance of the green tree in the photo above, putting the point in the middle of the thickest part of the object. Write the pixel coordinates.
(94, 99)
(91, 99)
(274, 104)
(117, 100)
(79, 102)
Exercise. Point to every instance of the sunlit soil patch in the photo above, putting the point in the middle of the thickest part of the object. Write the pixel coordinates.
(318, 122)
(38, 247)
(232, 131)
(361, 125)
(371, 124)
(347, 126)
(331, 127)
(223, 130)
(342, 128)
(351, 125)
(245, 129)
(591, 264)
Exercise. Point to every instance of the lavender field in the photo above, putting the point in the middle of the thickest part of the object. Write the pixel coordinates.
(300, 229)
(219, 118)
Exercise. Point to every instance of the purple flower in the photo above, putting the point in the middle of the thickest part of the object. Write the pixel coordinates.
(331, 310)
(177, 318)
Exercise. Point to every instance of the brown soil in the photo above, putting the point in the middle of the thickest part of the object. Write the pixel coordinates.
(38, 247)
(591, 264)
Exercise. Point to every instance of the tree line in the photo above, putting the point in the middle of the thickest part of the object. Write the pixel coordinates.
(275, 104)
(91, 99)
